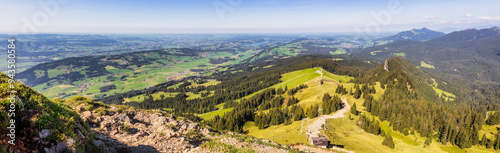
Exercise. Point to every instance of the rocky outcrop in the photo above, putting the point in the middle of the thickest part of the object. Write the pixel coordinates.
(141, 131)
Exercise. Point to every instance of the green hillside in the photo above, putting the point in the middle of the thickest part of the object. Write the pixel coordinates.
(34, 113)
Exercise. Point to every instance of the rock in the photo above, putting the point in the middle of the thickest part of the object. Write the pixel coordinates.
(100, 136)
(205, 131)
(99, 144)
(192, 126)
(113, 108)
(106, 123)
(50, 150)
(122, 117)
(62, 146)
(80, 107)
(45, 133)
(86, 115)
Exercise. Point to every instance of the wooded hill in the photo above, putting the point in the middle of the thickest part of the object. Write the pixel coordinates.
(464, 62)
(408, 108)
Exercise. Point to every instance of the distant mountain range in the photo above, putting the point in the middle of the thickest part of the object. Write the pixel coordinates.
(415, 34)
(471, 57)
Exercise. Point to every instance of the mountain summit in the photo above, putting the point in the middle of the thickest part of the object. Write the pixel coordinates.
(416, 35)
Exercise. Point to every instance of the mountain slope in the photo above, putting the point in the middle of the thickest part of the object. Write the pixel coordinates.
(470, 58)
(415, 35)
(34, 115)
(82, 125)
(398, 67)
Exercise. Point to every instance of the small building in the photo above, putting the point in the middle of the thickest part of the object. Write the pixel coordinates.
(320, 141)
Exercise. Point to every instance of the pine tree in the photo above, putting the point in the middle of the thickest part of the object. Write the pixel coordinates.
(354, 110)
(483, 140)
(357, 93)
(496, 143)
(377, 128)
(405, 132)
(388, 141)
(428, 141)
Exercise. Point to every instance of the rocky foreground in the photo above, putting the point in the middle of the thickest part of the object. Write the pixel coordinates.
(136, 131)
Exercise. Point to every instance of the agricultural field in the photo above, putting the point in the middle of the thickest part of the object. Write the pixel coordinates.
(338, 52)
(423, 64)
(399, 54)
(307, 46)
(375, 52)
(162, 68)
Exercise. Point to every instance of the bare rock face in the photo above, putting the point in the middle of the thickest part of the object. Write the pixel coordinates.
(136, 131)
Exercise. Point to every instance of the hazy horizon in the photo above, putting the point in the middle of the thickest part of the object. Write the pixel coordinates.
(238, 16)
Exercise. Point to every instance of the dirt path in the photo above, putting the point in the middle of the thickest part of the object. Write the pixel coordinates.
(316, 126)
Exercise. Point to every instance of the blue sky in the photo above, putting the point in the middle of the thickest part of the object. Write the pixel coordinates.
(244, 16)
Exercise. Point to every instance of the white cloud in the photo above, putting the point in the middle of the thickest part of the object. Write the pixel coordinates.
(429, 17)
(467, 15)
(485, 17)
(489, 18)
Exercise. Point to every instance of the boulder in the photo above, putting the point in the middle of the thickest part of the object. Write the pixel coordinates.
(45, 133)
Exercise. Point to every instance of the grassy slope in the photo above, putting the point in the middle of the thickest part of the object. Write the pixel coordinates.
(211, 115)
(291, 79)
(290, 134)
(446, 95)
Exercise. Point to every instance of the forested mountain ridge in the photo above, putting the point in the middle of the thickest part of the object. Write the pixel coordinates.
(399, 67)
(415, 35)
(470, 58)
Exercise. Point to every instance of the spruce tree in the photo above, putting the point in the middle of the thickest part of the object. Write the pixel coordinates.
(388, 141)
(357, 93)
(354, 110)
(483, 140)
(428, 141)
